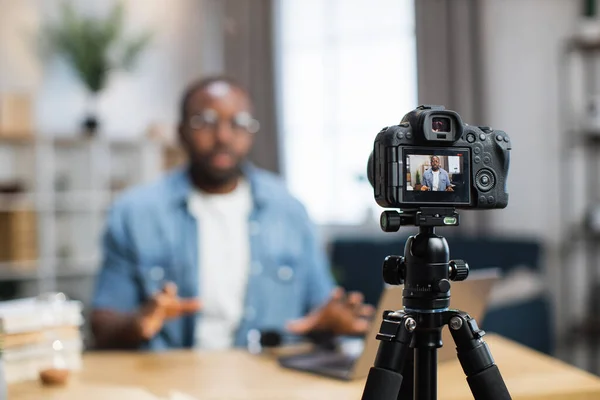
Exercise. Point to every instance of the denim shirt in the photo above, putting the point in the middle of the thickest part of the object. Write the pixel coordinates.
(151, 239)
(443, 183)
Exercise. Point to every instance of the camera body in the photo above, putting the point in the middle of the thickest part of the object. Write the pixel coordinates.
(432, 159)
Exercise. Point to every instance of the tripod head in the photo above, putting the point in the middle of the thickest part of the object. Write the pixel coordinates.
(425, 269)
(426, 272)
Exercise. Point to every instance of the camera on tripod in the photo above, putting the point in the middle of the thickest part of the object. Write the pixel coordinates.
(432, 159)
(428, 166)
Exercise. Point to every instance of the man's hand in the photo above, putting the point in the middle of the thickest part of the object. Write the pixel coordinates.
(342, 315)
(449, 189)
(424, 188)
(161, 307)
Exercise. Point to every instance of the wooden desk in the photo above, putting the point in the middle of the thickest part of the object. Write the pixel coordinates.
(233, 375)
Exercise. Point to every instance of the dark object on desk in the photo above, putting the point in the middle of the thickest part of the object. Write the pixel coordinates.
(357, 262)
(261, 340)
(270, 339)
(322, 340)
(329, 363)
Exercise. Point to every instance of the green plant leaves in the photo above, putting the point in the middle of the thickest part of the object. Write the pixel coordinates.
(133, 49)
(95, 46)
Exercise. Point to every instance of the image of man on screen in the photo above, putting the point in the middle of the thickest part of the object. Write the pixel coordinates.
(436, 178)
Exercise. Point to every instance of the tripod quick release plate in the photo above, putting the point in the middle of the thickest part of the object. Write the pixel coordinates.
(392, 220)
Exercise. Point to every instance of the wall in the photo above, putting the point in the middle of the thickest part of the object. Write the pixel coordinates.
(132, 100)
(521, 46)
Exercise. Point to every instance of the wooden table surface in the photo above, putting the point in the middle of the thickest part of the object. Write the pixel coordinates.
(233, 375)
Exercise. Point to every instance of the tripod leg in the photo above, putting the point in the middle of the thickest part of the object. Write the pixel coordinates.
(407, 389)
(385, 378)
(476, 360)
(425, 367)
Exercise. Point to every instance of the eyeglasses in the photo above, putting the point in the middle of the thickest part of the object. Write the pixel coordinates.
(209, 120)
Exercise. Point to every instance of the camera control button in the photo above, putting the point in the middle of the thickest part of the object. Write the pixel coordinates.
(404, 124)
(476, 150)
(443, 285)
(491, 200)
(484, 180)
(499, 138)
(487, 160)
(477, 159)
(506, 139)
(400, 135)
(482, 199)
(471, 137)
(486, 129)
(408, 135)
(482, 136)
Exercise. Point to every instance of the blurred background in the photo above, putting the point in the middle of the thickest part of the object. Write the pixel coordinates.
(325, 76)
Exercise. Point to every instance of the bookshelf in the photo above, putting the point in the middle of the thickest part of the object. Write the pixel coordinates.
(579, 157)
(54, 193)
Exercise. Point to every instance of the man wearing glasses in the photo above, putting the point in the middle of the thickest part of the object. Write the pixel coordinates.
(217, 249)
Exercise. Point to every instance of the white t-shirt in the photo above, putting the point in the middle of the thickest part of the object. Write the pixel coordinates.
(224, 259)
(436, 180)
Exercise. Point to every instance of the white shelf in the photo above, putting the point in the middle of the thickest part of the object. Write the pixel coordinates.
(18, 270)
(81, 267)
(21, 201)
(79, 140)
(65, 201)
(70, 221)
(31, 270)
(82, 200)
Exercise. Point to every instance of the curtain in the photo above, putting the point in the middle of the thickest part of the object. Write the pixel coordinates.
(450, 68)
(239, 43)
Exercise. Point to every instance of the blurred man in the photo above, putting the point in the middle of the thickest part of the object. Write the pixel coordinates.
(215, 249)
(436, 178)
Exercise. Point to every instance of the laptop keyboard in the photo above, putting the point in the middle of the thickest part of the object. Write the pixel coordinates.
(339, 362)
(321, 360)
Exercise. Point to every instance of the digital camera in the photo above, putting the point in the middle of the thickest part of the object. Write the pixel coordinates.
(432, 159)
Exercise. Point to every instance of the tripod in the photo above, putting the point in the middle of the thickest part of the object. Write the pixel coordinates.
(426, 271)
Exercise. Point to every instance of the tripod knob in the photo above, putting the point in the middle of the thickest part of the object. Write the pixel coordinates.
(390, 221)
(459, 270)
(393, 270)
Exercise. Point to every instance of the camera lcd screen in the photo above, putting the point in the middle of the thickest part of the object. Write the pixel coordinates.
(436, 176)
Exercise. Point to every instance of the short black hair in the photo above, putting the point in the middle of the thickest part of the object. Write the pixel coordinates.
(202, 84)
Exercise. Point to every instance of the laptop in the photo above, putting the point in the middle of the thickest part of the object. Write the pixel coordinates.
(470, 296)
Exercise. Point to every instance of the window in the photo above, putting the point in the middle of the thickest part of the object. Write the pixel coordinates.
(346, 69)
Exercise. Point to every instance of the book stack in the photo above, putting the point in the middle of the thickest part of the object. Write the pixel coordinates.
(16, 112)
(39, 334)
(18, 235)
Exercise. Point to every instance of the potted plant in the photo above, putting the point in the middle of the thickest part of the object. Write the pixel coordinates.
(94, 47)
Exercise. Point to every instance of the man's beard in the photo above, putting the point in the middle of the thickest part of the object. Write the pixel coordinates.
(203, 173)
